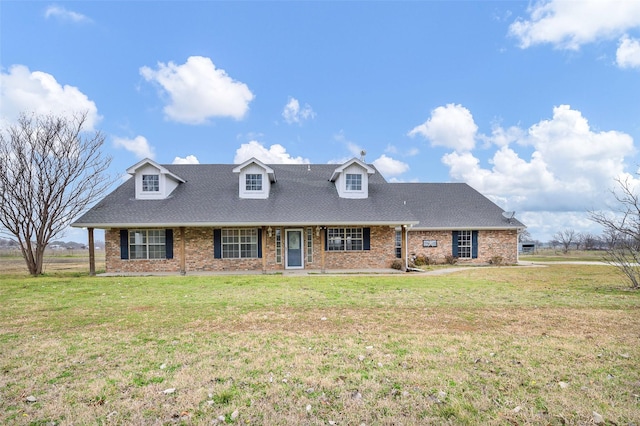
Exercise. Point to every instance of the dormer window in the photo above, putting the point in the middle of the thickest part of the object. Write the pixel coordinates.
(254, 182)
(150, 183)
(153, 181)
(352, 179)
(353, 182)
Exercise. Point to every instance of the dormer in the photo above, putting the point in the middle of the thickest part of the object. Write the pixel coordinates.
(152, 181)
(254, 179)
(352, 179)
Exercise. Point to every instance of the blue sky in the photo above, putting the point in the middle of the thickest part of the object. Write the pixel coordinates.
(534, 104)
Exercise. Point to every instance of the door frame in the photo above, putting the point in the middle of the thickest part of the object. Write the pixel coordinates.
(286, 248)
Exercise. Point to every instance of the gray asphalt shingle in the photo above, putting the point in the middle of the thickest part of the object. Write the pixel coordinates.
(302, 194)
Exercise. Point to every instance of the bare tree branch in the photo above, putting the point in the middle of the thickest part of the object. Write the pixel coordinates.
(621, 230)
(50, 172)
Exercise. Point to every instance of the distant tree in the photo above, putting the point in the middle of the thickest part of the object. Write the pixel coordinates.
(621, 229)
(524, 235)
(50, 171)
(565, 238)
(589, 241)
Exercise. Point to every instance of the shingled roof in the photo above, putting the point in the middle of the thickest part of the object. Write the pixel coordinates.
(452, 206)
(302, 195)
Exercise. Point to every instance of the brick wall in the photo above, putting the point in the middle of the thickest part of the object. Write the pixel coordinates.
(199, 253)
(491, 243)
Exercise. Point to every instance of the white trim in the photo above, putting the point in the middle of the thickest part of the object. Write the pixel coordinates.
(241, 224)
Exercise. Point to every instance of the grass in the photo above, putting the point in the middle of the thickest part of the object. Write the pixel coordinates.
(511, 345)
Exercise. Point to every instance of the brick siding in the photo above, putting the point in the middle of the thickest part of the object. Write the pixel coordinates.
(199, 251)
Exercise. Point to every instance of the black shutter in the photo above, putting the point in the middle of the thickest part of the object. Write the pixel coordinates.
(259, 243)
(124, 244)
(217, 244)
(474, 244)
(454, 244)
(168, 241)
(366, 238)
(326, 239)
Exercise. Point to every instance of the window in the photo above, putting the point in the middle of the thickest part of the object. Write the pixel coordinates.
(278, 245)
(309, 245)
(239, 243)
(147, 244)
(354, 182)
(150, 183)
(254, 182)
(464, 244)
(399, 244)
(344, 239)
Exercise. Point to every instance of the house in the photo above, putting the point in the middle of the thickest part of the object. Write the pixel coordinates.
(270, 218)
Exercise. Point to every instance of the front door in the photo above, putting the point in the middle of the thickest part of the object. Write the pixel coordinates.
(293, 248)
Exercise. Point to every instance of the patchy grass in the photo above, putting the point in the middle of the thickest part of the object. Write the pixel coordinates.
(508, 345)
(12, 263)
(557, 255)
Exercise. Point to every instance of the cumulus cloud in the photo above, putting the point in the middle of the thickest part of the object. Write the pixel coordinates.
(292, 112)
(628, 54)
(189, 159)
(199, 91)
(571, 24)
(275, 154)
(570, 169)
(390, 167)
(139, 146)
(450, 126)
(65, 15)
(22, 90)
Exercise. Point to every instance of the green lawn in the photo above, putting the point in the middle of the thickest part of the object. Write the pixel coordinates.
(513, 345)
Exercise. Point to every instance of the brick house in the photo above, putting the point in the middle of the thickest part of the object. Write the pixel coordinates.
(270, 218)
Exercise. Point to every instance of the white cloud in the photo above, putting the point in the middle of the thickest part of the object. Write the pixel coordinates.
(138, 146)
(64, 14)
(38, 92)
(189, 159)
(199, 91)
(571, 168)
(275, 154)
(451, 126)
(571, 24)
(390, 167)
(292, 112)
(628, 54)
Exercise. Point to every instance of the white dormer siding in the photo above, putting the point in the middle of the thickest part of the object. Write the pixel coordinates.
(254, 179)
(352, 179)
(152, 181)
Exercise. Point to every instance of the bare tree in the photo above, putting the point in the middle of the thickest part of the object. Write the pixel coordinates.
(566, 238)
(524, 236)
(50, 171)
(622, 231)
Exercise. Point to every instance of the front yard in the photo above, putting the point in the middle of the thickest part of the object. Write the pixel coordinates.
(512, 345)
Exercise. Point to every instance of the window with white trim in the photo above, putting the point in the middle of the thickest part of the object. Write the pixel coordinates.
(464, 244)
(278, 245)
(398, 244)
(253, 182)
(344, 239)
(147, 244)
(239, 243)
(150, 183)
(353, 182)
(309, 245)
